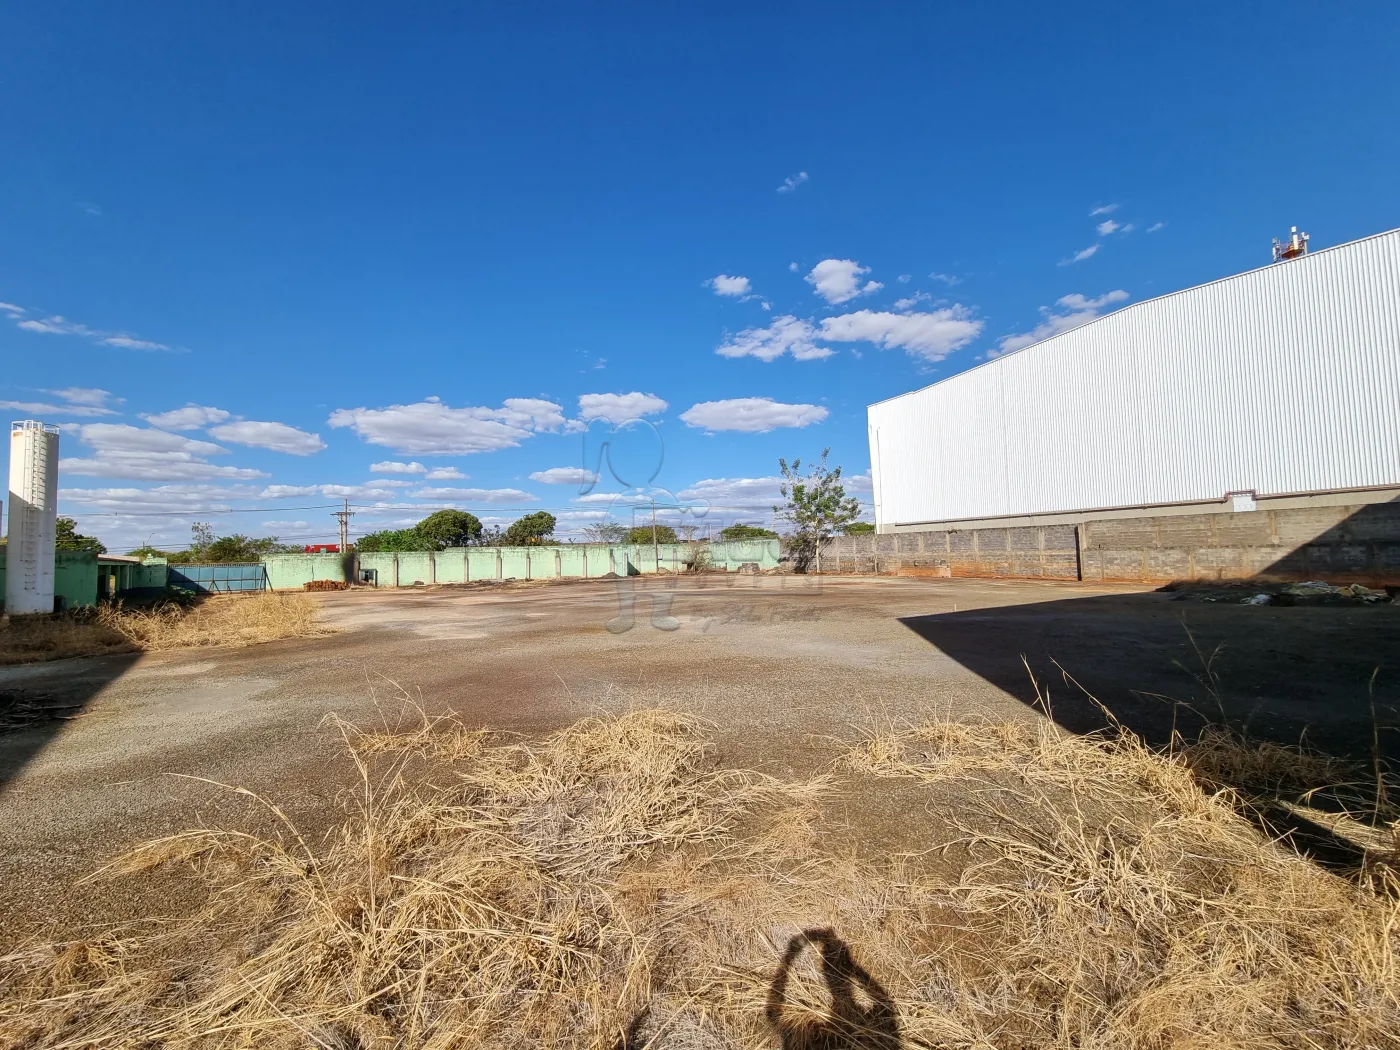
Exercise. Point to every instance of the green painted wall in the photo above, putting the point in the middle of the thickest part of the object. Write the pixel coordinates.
(470, 564)
(288, 572)
(74, 577)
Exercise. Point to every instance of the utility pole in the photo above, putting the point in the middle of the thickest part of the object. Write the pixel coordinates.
(344, 516)
(655, 548)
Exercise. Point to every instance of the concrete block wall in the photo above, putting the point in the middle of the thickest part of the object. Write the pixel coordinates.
(1347, 544)
(1037, 552)
(1350, 544)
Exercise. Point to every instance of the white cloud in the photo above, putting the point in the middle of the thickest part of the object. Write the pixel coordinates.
(905, 278)
(860, 484)
(618, 408)
(1076, 310)
(786, 335)
(122, 437)
(1075, 301)
(35, 408)
(476, 495)
(838, 280)
(126, 342)
(180, 498)
(792, 267)
(1155, 227)
(390, 466)
(191, 417)
(442, 474)
(947, 278)
(432, 428)
(124, 451)
(278, 437)
(170, 466)
(376, 489)
(1127, 227)
(598, 497)
(564, 476)
(793, 181)
(379, 488)
(909, 302)
(18, 311)
(1080, 255)
(1105, 209)
(726, 285)
(751, 415)
(85, 395)
(1107, 226)
(931, 335)
(59, 325)
(736, 494)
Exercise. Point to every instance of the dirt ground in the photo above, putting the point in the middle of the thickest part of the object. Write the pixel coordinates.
(95, 754)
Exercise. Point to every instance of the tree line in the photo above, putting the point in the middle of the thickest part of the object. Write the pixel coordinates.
(815, 505)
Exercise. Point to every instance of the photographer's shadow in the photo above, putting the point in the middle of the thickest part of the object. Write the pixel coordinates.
(849, 1024)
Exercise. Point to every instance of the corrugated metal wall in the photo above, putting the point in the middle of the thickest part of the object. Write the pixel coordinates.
(1280, 380)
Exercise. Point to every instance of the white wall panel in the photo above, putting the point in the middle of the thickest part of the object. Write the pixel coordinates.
(1284, 379)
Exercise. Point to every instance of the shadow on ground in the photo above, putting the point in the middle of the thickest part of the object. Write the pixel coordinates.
(36, 703)
(1323, 677)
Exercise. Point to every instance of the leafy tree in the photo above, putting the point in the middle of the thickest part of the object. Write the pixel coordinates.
(642, 534)
(858, 528)
(240, 548)
(449, 528)
(740, 531)
(68, 538)
(147, 551)
(530, 530)
(817, 506)
(605, 531)
(393, 540)
(201, 536)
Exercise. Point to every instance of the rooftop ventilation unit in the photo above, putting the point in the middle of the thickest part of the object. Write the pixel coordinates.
(1296, 248)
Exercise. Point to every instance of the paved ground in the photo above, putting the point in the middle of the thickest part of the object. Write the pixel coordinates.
(781, 665)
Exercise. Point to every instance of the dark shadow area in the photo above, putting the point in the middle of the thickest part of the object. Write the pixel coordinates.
(38, 699)
(1323, 677)
(849, 1024)
(859, 1014)
(1362, 548)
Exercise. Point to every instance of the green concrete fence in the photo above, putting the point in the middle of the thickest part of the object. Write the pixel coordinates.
(474, 564)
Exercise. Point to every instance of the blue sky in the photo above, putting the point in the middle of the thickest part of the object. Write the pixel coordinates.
(250, 259)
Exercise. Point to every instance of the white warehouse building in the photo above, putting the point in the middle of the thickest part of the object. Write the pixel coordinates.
(1275, 388)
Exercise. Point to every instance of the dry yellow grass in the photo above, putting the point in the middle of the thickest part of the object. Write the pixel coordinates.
(224, 620)
(611, 886)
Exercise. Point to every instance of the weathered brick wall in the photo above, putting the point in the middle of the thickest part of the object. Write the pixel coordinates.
(1338, 544)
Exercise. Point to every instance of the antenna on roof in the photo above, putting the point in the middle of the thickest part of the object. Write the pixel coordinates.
(1295, 248)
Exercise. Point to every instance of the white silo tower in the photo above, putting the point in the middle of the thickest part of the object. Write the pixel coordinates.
(33, 515)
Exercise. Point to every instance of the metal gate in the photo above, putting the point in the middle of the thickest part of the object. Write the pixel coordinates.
(219, 579)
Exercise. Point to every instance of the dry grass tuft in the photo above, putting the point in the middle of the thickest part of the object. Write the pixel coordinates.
(611, 886)
(216, 621)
